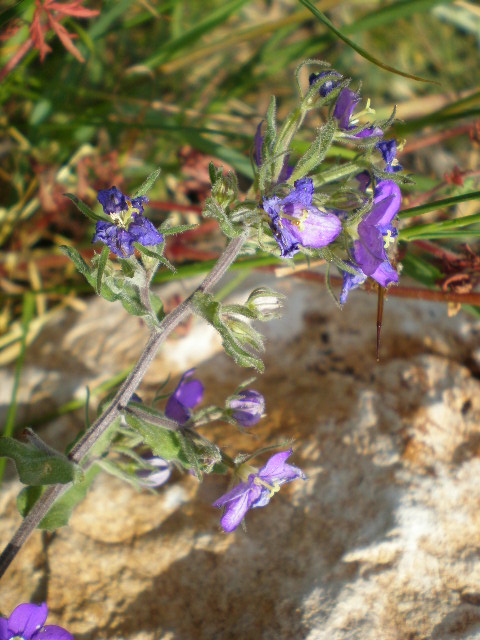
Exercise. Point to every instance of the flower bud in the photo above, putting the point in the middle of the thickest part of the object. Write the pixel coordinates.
(247, 407)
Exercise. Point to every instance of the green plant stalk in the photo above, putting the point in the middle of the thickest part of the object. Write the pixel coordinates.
(41, 508)
(421, 231)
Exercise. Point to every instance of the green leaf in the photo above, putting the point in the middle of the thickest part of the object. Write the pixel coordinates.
(419, 269)
(61, 512)
(38, 467)
(102, 262)
(163, 442)
(323, 18)
(77, 260)
(438, 204)
(148, 184)
(316, 153)
(152, 253)
(86, 210)
(172, 231)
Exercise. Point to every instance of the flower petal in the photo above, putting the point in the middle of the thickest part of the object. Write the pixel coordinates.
(53, 632)
(26, 619)
(317, 230)
(346, 102)
(235, 513)
(369, 251)
(233, 494)
(143, 231)
(4, 635)
(351, 281)
(385, 274)
(386, 204)
(112, 200)
(301, 195)
(276, 471)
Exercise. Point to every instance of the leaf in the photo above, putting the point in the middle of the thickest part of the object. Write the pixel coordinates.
(323, 18)
(37, 467)
(172, 231)
(148, 184)
(438, 204)
(316, 153)
(61, 512)
(102, 262)
(163, 443)
(86, 210)
(151, 253)
(77, 260)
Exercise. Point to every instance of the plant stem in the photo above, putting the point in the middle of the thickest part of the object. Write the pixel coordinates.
(121, 399)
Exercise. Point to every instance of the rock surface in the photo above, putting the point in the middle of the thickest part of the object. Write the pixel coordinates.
(381, 542)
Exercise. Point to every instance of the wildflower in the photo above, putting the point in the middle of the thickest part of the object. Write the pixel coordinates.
(295, 222)
(376, 233)
(388, 149)
(351, 281)
(329, 85)
(257, 490)
(344, 107)
(286, 171)
(128, 223)
(27, 623)
(247, 407)
(186, 396)
(156, 474)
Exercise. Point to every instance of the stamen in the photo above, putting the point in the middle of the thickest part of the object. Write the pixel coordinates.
(124, 218)
(298, 222)
(388, 239)
(273, 489)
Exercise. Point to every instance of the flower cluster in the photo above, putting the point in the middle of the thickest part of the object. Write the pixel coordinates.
(128, 223)
(259, 487)
(27, 623)
(297, 223)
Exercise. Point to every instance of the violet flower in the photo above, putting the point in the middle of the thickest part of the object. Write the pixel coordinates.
(257, 490)
(247, 407)
(376, 233)
(27, 623)
(128, 223)
(328, 86)
(344, 107)
(158, 473)
(351, 281)
(388, 149)
(295, 222)
(186, 396)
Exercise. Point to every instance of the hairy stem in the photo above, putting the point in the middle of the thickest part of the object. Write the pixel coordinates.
(121, 399)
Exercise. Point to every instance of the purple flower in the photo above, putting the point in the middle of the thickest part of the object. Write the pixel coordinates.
(295, 222)
(128, 223)
(344, 107)
(364, 180)
(388, 149)
(247, 407)
(157, 475)
(351, 281)
(186, 396)
(27, 623)
(328, 86)
(286, 171)
(257, 490)
(376, 232)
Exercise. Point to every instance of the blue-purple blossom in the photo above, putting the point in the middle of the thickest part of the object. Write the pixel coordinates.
(296, 223)
(328, 86)
(27, 623)
(286, 171)
(364, 180)
(158, 473)
(351, 281)
(376, 233)
(186, 396)
(388, 149)
(344, 107)
(257, 490)
(128, 223)
(247, 407)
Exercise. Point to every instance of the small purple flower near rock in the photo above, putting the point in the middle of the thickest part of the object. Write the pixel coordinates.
(376, 233)
(344, 107)
(388, 149)
(186, 396)
(128, 223)
(257, 490)
(27, 623)
(351, 281)
(247, 407)
(296, 222)
(159, 472)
